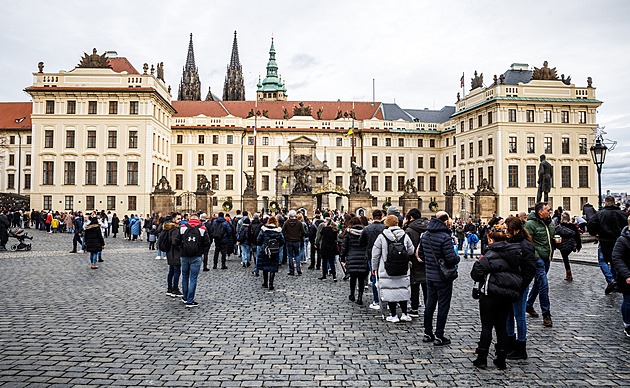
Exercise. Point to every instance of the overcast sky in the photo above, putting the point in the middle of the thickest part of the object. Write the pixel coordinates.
(328, 50)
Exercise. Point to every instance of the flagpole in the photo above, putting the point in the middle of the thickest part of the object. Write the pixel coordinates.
(255, 141)
(352, 139)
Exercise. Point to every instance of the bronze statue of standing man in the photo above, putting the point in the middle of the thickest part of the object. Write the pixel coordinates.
(545, 176)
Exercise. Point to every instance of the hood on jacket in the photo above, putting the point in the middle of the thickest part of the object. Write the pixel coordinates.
(271, 228)
(511, 253)
(169, 226)
(355, 230)
(437, 225)
(194, 222)
(625, 232)
(392, 231)
(419, 225)
(93, 225)
(292, 222)
(520, 236)
(219, 219)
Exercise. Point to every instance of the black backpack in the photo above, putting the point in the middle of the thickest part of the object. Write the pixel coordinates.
(164, 241)
(273, 248)
(243, 234)
(191, 242)
(217, 232)
(397, 263)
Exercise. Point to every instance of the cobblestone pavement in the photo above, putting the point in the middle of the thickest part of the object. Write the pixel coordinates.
(62, 323)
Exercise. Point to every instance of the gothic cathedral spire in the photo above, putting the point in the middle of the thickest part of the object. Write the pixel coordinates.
(190, 86)
(234, 86)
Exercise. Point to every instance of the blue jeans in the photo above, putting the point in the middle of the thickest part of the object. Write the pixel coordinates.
(293, 252)
(438, 294)
(518, 313)
(258, 250)
(281, 254)
(460, 244)
(246, 252)
(94, 257)
(173, 276)
(541, 286)
(76, 239)
(471, 246)
(373, 280)
(625, 309)
(190, 271)
(603, 265)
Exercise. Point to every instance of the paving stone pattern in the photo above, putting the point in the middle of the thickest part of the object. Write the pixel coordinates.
(62, 323)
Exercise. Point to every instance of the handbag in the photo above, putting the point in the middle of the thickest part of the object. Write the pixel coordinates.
(446, 273)
(476, 291)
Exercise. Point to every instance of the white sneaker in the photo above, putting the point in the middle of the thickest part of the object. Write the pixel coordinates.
(158, 257)
(391, 319)
(375, 306)
(405, 318)
(79, 251)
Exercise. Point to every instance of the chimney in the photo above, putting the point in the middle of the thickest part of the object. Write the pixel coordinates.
(111, 54)
(519, 66)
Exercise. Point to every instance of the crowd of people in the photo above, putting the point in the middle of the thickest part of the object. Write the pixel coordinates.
(401, 258)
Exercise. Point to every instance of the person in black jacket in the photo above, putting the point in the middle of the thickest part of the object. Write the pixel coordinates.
(516, 233)
(571, 242)
(312, 235)
(94, 242)
(5, 224)
(115, 225)
(499, 274)
(414, 226)
(436, 244)
(621, 262)
(352, 257)
(254, 231)
(607, 224)
(368, 237)
(329, 249)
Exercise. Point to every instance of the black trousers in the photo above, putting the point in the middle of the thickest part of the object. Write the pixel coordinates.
(403, 308)
(329, 259)
(222, 249)
(360, 276)
(415, 295)
(316, 257)
(493, 312)
(565, 260)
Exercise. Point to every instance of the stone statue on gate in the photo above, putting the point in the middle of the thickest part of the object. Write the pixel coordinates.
(204, 184)
(452, 186)
(250, 186)
(163, 186)
(410, 186)
(357, 179)
(545, 176)
(301, 180)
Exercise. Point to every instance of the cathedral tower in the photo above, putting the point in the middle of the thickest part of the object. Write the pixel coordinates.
(272, 88)
(234, 87)
(190, 86)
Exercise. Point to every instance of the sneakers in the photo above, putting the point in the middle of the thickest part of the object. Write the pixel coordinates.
(351, 298)
(158, 257)
(393, 319)
(547, 321)
(183, 300)
(405, 318)
(175, 293)
(375, 306)
(441, 341)
(299, 272)
(100, 260)
(322, 278)
(94, 266)
(169, 292)
(530, 310)
(72, 252)
(191, 304)
(224, 267)
(291, 274)
(612, 287)
(80, 251)
(206, 269)
(626, 330)
(428, 338)
(414, 313)
(248, 264)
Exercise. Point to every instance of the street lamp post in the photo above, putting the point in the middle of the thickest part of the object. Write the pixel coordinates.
(598, 152)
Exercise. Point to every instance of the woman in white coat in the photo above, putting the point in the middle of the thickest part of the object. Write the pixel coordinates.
(393, 289)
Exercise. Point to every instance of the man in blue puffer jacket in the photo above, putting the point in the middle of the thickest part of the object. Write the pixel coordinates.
(436, 243)
(221, 234)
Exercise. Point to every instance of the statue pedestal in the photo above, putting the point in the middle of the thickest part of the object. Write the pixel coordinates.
(250, 202)
(358, 201)
(302, 200)
(485, 205)
(408, 201)
(204, 202)
(163, 203)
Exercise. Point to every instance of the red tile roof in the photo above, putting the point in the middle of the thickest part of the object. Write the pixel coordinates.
(363, 110)
(196, 108)
(12, 111)
(122, 64)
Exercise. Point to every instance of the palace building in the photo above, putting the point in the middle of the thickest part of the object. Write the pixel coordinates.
(101, 136)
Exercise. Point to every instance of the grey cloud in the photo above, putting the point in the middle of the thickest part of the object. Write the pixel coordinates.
(303, 61)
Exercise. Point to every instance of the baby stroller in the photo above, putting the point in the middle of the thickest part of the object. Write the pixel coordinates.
(20, 235)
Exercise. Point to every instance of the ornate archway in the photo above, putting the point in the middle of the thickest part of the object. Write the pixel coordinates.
(326, 189)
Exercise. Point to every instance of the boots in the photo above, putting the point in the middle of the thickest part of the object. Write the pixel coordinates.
(511, 345)
(482, 358)
(351, 297)
(519, 352)
(272, 275)
(569, 277)
(360, 297)
(499, 361)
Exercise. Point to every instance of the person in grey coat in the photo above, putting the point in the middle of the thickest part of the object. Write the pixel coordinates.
(393, 289)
